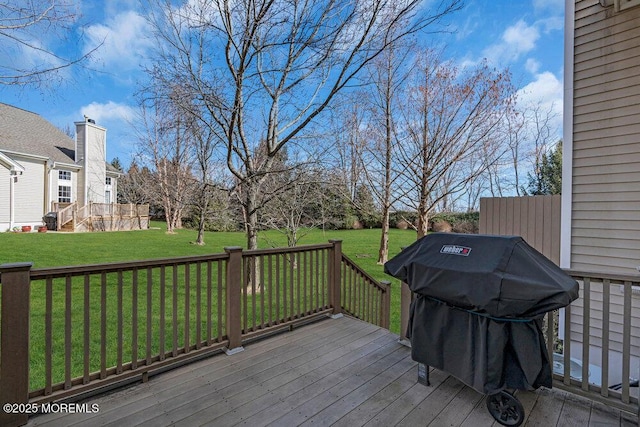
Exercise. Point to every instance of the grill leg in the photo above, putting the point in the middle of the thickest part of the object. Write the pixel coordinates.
(423, 374)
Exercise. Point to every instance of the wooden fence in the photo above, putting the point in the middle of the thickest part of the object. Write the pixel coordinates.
(535, 218)
(72, 330)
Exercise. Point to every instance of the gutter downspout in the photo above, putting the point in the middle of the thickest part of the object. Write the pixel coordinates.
(567, 137)
(12, 209)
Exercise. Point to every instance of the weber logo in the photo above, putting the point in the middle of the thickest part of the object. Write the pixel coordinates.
(455, 250)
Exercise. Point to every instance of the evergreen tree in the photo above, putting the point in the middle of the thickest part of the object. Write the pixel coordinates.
(547, 177)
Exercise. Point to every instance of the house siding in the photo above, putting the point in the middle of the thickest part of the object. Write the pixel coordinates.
(606, 139)
(5, 190)
(29, 196)
(605, 172)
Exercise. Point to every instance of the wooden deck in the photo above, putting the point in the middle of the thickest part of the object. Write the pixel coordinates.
(340, 372)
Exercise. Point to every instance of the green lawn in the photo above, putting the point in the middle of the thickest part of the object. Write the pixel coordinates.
(59, 249)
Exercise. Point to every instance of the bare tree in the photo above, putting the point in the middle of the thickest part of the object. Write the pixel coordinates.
(449, 118)
(263, 71)
(166, 142)
(388, 73)
(293, 212)
(25, 28)
(527, 133)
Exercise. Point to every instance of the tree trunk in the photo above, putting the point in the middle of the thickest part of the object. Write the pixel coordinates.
(201, 221)
(384, 238)
(251, 227)
(423, 223)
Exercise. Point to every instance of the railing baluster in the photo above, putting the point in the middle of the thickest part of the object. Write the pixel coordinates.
(586, 327)
(87, 323)
(550, 334)
(298, 284)
(254, 287)
(284, 287)
(163, 308)
(291, 284)
(67, 333)
(271, 285)
(209, 303)
(198, 305)
(325, 276)
(245, 283)
(315, 286)
(263, 292)
(221, 307)
(187, 305)
(103, 327)
(626, 342)
(566, 345)
(149, 328)
(174, 308)
(48, 334)
(606, 315)
(119, 325)
(278, 286)
(134, 319)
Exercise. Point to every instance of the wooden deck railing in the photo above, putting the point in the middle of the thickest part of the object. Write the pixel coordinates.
(363, 296)
(66, 215)
(598, 331)
(84, 217)
(602, 329)
(72, 330)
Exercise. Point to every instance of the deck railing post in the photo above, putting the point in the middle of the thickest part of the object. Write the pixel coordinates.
(405, 304)
(386, 304)
(335, 278)
(406, 296)
(234, 299)
(14, 345)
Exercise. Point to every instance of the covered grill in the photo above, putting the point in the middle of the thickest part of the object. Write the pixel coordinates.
(478, 311)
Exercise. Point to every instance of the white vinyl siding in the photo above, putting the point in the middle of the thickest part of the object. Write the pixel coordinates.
(606, 140)
(5, 194)
(30, 192)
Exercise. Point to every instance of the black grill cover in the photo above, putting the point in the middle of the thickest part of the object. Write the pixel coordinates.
(501, 276)
(487, 355)
(477, 314)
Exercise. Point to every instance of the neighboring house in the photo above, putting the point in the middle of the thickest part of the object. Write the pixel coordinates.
(40, 166)
(601, 169)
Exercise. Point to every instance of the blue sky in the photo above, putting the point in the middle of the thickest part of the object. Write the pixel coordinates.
(524, 35)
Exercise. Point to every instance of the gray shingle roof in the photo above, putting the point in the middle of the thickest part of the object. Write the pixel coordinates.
(25, 132)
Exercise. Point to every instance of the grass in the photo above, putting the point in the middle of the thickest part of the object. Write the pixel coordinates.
(61, 249)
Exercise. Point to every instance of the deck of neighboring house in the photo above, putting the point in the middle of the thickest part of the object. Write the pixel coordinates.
(333, 372)
(72, 217)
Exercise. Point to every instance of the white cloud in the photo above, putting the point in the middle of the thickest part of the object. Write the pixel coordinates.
(553, 23)
(117, 119)
(124, 39)
(532, 65)
(516, 40)
(109, 112)
(546, 92)
(553, 6)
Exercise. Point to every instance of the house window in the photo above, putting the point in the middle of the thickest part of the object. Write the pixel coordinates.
(107, 181)
(107, 196)
(64, 175)
(64, 194)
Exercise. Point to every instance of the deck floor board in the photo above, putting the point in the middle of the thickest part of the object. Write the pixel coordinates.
(338, 372)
